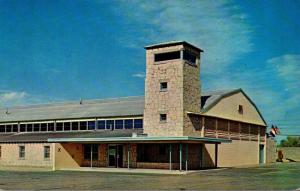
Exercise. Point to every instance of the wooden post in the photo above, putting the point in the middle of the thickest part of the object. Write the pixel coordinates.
(91, 155)
(216, 155)
(186, 156)
(170, 156)
(128, 156)
(180, 156)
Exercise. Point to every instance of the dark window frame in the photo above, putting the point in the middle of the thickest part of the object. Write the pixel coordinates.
(138, 123)
(47, 151)
(21, 151)
(163, 117)
(166, 56)
(163, 86)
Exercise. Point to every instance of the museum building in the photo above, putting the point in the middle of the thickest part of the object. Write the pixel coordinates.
(174, 126)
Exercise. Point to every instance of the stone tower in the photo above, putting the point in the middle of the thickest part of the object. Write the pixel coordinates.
(172, 89)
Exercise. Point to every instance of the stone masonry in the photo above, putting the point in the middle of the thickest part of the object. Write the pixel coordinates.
(182, 95)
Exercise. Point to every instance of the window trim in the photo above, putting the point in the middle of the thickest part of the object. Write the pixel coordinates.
(49, 152)
(161, 88)
(22, 152)
(163, 117)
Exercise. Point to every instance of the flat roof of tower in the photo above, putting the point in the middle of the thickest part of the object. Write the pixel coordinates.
(172, 43)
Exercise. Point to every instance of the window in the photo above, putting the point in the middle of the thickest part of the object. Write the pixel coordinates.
(36, 127)
(50, 126)
(167, 56)
(91, 125)
(138, 123)
(163, 149)
(74, 126)
(189, 57)
(163, 86)
(87, 151)
(21, 152)
(23, 128)
(46, 152)
(15, 128)
(240, 109)
(82, 125)
(2, 128)
(119, 124)
(101, 124)
(29, 127)
(43, 126)
(163, 117)
(8, 128)
(128, 123)
(59, 126)
(110, 124)
(67, 126)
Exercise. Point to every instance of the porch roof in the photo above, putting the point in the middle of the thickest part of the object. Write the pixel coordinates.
(140, 139)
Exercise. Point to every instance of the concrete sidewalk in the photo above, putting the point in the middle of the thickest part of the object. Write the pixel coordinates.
(132, 170)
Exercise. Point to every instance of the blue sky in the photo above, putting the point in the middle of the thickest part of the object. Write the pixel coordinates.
(63, 50)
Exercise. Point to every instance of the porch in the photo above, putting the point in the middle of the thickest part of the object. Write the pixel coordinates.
(179, 154)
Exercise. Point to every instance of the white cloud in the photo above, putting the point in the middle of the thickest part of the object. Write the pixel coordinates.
(12, 97)
(139, 75)
(219, 27)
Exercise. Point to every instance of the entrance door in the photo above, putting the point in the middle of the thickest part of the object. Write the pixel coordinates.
(261, 154)
(115, 156)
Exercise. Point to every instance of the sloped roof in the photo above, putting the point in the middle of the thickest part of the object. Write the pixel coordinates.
(43, 137)
(211, 98)
(128, 106)
(115, 107)
(172, 43)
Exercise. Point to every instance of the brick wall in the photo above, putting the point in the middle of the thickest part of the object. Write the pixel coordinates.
(34, 155)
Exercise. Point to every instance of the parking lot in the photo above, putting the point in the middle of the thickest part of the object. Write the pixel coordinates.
(272, 177)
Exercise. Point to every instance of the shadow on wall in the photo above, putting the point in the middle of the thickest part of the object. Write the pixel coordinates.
(68, 155)
(208, 157)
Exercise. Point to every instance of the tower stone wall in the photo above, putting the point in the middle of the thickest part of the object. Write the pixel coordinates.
(182, 94)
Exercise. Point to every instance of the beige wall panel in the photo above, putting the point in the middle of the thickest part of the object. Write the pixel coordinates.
(228, 108)
(271, 154)
(34, 155)
(68, 155)
(237, 153)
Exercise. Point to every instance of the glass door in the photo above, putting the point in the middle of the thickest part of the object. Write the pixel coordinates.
(112, 155)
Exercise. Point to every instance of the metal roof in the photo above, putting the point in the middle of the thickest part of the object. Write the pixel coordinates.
(115, 107)
(129, 106)
(39, 137)
(172, 43)
(140, 139)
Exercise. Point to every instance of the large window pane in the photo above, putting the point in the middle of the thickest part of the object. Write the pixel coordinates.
(189, 57)
(50, 126)
(29, 127)
(59, 126)
(46, 152)
(43, 126)
(2, 128)
(67, 126)
(166, 56)
(83, 125)
(110, 124)
(91, 125)
(74, 126)
(8, 128)
(22, 127)
(87, 151)
(128, 123)
(101, 124)
(15, 128)
(36, 127)
(138, 123)
(119, 124)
